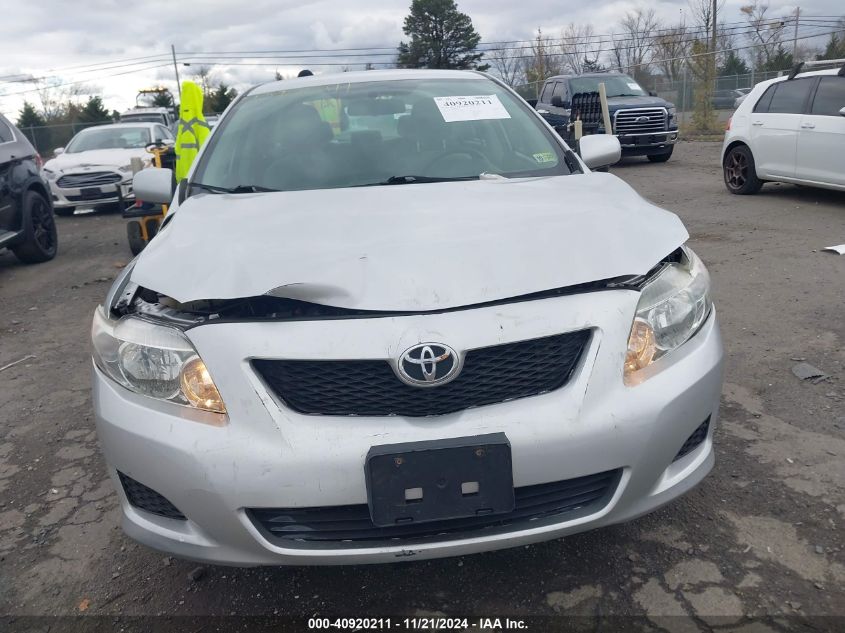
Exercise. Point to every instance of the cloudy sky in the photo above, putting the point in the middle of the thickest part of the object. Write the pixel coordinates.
(115, 47)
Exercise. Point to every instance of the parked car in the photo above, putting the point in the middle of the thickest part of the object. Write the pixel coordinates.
(95, 169)
(436, 334)
(164, 116)
(27, 225)
(726, 99)
(644, 123)
(789, 129)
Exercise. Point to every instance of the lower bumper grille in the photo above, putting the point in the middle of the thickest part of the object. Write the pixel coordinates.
(694, 440)
(147, 499)
(560, 500)
(371, 388)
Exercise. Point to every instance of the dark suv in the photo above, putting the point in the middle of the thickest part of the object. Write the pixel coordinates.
(644, 123)
(27, 225)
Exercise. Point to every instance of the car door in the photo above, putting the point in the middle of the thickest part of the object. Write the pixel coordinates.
(821, 138)
(6, 146)
(775, 122)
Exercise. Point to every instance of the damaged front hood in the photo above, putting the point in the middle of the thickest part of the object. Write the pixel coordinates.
(411, 247)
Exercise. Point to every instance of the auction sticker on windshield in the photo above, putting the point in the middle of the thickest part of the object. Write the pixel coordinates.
(471, 108)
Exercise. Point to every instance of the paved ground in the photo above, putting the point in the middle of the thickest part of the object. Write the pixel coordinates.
(762, 535)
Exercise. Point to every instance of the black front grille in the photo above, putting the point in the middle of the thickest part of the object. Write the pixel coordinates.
(148, 499)
(694, 440)
(370, 387)
(556, 501)
(89, 179)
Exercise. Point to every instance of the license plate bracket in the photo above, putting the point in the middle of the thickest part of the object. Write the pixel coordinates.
(455, 478)
(90, 193)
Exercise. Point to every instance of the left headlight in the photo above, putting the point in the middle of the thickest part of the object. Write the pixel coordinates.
(153, 360)
(673, 305)
(672, 111)
(49, 174)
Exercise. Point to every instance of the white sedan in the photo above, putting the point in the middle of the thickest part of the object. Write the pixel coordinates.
(95, 168)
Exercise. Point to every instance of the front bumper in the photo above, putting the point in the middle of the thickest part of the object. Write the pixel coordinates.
(650, 142)
(268, 456)
(64, 197)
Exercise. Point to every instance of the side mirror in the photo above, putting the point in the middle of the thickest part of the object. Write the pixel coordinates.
(652, 93)
(842, 112)
(600, 150)
(154, 185)
(558, 102)
(532, 102)
(58, 150)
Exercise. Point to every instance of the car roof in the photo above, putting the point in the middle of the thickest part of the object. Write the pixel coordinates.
(800, 75)
(612, 73)
(128, 124)
(365, 76)
(150, 110)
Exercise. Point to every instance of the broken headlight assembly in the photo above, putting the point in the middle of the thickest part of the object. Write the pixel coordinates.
(674, 304)
(153, 360)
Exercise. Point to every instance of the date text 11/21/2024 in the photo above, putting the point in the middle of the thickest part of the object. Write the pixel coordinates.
(417, 624)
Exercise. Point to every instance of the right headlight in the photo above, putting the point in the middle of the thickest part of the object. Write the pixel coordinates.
(673, 306)
(153, 360)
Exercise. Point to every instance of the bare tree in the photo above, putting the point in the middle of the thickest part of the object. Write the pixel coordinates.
(671, 46)
(579, 48)
(543, 61)
(632, 49)
(765, 32)
(506, 61)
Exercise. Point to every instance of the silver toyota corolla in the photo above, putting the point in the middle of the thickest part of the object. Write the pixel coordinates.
(392, 316)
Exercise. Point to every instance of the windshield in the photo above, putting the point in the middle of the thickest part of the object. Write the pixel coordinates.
(615, 85)
(109, 138)
(384, 132)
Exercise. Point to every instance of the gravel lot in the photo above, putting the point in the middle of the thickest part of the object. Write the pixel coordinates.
(763, 535)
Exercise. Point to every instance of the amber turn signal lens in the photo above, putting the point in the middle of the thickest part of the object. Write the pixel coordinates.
(641, 348)
(199, 388)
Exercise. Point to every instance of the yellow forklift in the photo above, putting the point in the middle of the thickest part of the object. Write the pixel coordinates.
(146, 218)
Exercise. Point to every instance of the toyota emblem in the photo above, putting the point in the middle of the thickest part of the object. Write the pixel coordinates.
(428, 365)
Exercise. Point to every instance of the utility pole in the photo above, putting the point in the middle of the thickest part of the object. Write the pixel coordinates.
(712, 72)
(795, 35)
(176, 70)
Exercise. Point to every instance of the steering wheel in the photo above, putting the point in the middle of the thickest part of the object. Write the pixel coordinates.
(455, 152)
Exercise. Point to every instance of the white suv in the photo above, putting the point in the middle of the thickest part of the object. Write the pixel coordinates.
(789, 129)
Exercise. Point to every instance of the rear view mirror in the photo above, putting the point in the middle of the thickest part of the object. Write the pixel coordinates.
(154, 185)
(600, 150)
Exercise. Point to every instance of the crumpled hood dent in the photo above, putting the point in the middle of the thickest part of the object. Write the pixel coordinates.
(409, 247)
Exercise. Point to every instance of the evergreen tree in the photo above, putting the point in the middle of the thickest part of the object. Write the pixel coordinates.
(733, 65)
(93, 111)
(29, 116)
(219, 99)
(162, 99)
(441, 37)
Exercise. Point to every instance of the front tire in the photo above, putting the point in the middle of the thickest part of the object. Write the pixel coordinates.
(661, 158)
(740, 173)
(40, 241)
(133, 234)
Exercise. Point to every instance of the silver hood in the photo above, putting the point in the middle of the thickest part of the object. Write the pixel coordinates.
(411, 247)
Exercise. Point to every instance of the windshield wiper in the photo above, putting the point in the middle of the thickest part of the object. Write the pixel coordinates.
(238, 189)
(410, 180)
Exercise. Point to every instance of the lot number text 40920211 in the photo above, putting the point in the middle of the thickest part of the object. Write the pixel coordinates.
(417, 624)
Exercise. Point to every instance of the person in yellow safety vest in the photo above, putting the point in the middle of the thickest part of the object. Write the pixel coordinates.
(330, 109)
(192, 131)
